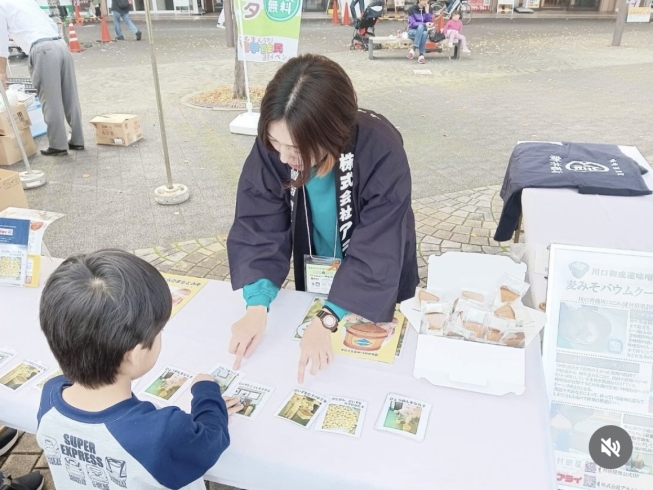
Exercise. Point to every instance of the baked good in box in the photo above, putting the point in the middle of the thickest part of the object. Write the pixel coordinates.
(475, 328)
(424, 295)
(435, 321)
(508, 295)
(493, 334)
(505, 311)
(515, 339)
(473, 296)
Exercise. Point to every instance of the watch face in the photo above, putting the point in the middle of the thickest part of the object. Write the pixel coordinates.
(329, 321)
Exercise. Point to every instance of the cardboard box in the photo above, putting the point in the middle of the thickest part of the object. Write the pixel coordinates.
(117, 129)
(470, 366)
(9, 150)
(21, 117)
(11, 190)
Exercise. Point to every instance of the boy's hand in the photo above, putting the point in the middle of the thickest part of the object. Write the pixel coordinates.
(203, 377)
(233, 404)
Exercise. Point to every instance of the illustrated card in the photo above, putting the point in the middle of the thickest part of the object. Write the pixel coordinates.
(311, 313)
(48, 377)
(402, 336)
(6, 355)
(252, 395)
(224, 376)
(404, 416)
(169, 384)
(342, 416)
(21, 375)
(302, 407)
(183, 289)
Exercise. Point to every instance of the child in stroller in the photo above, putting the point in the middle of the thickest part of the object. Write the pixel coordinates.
(364, 26)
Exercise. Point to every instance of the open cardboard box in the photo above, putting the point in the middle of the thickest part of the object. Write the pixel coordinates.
(471, 366)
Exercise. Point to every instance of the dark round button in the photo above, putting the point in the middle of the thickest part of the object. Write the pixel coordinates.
(611, 447)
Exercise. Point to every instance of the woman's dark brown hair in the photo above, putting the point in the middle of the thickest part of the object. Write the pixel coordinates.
(316, 99)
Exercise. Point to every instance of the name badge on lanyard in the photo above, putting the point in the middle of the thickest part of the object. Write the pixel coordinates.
(320, 272)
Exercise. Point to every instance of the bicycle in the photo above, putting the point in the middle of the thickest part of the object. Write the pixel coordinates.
(462, 6)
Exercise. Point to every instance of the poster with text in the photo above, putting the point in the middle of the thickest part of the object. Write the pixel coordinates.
(182, 289)
(598, 360)
(270, 29)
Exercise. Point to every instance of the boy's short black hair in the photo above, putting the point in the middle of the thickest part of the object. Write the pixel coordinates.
(97, 307)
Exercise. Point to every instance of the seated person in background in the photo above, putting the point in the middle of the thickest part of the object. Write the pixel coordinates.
(420, 20)
(453, 29)
(102, 314)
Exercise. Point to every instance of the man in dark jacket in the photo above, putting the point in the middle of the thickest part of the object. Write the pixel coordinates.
(121, 10)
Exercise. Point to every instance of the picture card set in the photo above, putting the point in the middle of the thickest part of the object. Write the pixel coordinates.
(21, 375)
(168, 386)
(302, 407)
(404, 416)
(342, 416)
(253, 396)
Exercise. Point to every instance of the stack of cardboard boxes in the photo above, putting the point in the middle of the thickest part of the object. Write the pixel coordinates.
(9, 149)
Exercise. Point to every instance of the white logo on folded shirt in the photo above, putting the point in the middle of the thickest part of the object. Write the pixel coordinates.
(578, 166)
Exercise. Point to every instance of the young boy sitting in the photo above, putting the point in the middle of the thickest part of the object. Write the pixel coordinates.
(102, 314)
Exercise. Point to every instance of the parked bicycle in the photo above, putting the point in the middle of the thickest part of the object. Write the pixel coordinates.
(462, 6)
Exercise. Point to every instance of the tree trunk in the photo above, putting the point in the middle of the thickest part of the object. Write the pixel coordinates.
(621, 22)
(239, 70)
(229, 22)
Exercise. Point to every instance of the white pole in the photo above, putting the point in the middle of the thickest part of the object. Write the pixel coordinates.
(241, 35)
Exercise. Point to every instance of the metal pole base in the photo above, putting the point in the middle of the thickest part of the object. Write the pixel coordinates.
(165, 195)
(32, 179)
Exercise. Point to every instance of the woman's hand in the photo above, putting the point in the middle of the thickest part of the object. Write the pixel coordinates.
(316, 347)
(247, 333)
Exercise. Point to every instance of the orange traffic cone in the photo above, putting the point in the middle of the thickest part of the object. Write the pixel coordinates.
(440, 24)
(346, 20)
(106, 37)
(78, 16)
(335, 19)
(73, 43)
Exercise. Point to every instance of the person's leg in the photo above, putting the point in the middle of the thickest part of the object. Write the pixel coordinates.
(412, 34)
(463, 42)
(45, 64)
(422, 35)
(116, 23)
(70, 98)
(129, 23)
(450, 36)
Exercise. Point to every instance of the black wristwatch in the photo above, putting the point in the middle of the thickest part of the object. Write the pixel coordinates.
(329, 319)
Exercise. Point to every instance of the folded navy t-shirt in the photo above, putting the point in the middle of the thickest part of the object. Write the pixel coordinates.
(590, 168)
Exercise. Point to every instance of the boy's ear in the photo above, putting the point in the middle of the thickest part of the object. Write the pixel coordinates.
(132, 357)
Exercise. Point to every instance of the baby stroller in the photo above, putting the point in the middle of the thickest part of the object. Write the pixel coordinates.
(364, 27)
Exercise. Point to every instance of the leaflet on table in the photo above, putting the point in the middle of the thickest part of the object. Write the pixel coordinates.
(169, 384)
(342, 416)
(404, 416)
(253, 396)
(302, 407)
(183, 289)
(360, 338)
(14, 236)
(21, 375)
(598, 357)
(39, 222)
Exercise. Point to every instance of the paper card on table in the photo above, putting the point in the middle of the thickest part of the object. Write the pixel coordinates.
(313, 310)
(357, 337)
(168, 385)
(225, 376)
(14, 236)
(342, 416)
(6, 355)
(39, 222)
(402, 336)
(21, 375)
(252, 395)
(404, 416)
(48, 377)
(302, 407)
(33, 271)
(182, 289)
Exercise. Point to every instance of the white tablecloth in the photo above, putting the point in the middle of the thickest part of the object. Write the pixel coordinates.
(564, 216)
(472, 442)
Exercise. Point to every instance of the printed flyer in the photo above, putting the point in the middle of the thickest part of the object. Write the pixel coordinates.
(39, 222)
(21, 375)
(14, 236)
(598, 359)
(183, 289)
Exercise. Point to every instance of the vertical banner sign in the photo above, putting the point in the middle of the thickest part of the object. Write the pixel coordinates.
(270, 29)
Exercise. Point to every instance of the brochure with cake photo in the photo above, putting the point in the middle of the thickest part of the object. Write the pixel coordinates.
(168, 385)
(342, 416)
(311, 313)
(21, 375)
(404, 416)
(302, 407)
(253, 396)
(183, 289)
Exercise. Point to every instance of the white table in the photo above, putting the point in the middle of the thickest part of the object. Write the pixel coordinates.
(472, 442)
(564, 216)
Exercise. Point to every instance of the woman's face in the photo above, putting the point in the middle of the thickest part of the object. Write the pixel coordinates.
(282, 142)
(422, 3)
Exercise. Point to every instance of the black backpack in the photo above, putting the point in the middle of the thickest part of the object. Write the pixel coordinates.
(122, 5)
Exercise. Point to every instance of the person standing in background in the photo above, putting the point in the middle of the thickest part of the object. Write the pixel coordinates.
(121, 9)
(51, 67)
